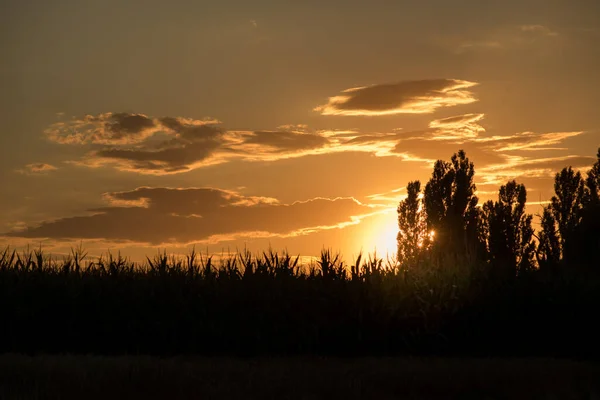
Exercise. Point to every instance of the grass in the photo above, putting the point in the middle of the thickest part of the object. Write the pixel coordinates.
(270, 304)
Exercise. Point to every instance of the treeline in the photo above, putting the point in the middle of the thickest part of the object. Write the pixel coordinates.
(445, 218)
(469, 281)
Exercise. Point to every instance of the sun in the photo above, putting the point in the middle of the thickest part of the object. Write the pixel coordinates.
(386, 243)
(382, 237)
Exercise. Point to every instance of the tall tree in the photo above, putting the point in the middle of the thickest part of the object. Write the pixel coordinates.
(593, 183)
(548, 255)
(411, 224)
(588, 234)
(450, 204)
(509, 232)
(567, 208)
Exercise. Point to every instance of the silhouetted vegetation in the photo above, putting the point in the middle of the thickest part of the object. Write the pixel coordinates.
(468, 280)
(500, 233)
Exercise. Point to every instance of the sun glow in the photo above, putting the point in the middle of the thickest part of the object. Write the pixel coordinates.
(430, 238)
(384, 237)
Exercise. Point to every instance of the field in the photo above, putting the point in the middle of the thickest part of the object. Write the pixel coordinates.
(93, 377)
(264, 326)
(269, 305)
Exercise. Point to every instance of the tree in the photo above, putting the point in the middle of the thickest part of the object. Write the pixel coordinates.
(571, 223)
(567, 209)
(548, 255)
(588, 232)
(509, 239)
(451, 205)
(411, 224)
(593, 183)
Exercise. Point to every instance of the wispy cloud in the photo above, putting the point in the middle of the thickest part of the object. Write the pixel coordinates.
(518, 167)
(475, 45)
(528, 141)
(504, 39)
(539, 29)
(413, 97)
(391, 196)
(457, 128)
(37, 168)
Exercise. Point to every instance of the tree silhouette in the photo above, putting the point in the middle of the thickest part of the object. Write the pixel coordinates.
(566, 207)
(548, 255)
(412, 234)
(509, 233)
(575, 211)
(588, 232)
(593, 183)
(451, 204)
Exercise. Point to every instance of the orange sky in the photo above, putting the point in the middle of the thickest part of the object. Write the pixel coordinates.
(227, 124)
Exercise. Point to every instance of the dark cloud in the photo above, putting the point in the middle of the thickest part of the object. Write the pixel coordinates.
(191, 145)
(424, 96)
(160, 215)
(165, 145)
(108, 128)
(123, 124)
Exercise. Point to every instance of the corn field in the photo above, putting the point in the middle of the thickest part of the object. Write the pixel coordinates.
(270, 303)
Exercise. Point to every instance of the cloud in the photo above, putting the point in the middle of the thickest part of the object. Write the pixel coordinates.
(477, 45)
(539, 29)
(414, 97)
(393, 196)
(166, 215)
(37, 168)
(108, 128)
(529, 167)
(528, 141)
(462, 132)
(431, 150)
(503, 39)
(281, 141)
(456, 128)
(497, 158)
(166, 145)
(191, 146)
(179, 144)
(425, 145)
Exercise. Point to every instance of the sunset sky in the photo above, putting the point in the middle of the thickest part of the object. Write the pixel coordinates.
(137, 125)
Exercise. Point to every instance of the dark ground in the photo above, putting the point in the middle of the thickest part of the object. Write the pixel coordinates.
(132, 377)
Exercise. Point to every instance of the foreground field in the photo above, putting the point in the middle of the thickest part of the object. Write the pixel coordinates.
(91, 377)
(268, 305)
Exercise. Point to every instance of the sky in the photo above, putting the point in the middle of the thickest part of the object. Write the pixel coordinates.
(135, 126)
